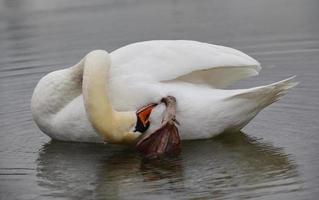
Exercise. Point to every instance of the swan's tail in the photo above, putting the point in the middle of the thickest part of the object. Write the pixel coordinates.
(247, 103)
(268, 94)
(280, 88)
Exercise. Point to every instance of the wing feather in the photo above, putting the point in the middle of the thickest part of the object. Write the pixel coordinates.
(183, 60)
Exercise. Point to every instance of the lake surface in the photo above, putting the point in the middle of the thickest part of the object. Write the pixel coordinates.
(274, 157)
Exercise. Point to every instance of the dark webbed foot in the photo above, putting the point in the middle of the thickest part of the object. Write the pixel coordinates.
(165, 140)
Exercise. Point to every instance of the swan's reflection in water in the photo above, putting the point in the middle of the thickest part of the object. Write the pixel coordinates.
(229, 166)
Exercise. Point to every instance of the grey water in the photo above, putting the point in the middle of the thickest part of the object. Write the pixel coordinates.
(274, 157)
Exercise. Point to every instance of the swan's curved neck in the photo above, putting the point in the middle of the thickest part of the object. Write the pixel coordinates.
(113, 126)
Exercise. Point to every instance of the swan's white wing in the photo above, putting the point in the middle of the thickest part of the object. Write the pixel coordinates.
(191, 61)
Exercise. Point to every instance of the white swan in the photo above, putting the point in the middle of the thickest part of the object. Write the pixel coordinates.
(98, 98)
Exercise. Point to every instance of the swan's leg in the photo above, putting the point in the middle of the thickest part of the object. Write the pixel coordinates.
(164, 140)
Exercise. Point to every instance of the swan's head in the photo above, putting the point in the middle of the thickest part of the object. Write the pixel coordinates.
(113, 126)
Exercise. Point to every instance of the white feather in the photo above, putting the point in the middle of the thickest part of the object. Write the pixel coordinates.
(194, 73)
(168, 59)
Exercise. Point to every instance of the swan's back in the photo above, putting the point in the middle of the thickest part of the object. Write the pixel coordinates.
(192, 61)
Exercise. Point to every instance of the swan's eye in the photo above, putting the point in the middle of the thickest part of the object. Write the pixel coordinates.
(143, 115)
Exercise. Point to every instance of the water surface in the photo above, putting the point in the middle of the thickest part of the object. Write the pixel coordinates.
(275, 157)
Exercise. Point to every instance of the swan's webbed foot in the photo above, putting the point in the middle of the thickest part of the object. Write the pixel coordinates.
(165, 140)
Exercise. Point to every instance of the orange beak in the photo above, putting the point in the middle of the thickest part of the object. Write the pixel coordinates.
(143, 115)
